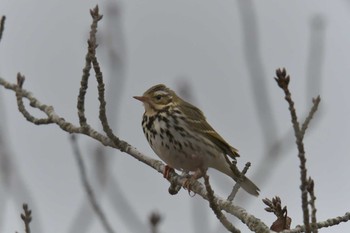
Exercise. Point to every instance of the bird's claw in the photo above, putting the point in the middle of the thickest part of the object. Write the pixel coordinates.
(187, 183)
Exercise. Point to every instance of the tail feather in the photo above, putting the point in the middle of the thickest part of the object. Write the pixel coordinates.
(249, 186)
(237, 176)
(244, 182)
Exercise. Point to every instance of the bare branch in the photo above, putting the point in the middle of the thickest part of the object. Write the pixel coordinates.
(216, 209)
(49, 111)
(26, 217)
(283, 81)
(310, 189)
(99, 77)
(2, 25)
(22, 109)
(86, 70)
(88, 189)
(314, 108)
(237, 184)
(327, 223)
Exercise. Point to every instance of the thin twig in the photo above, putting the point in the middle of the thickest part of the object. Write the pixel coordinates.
(61, 122)
(101, 86)
(216, 208)
(22, 108)
(316, 101)
(82, 91)
(2, 25)
(327, 223)
(87, 67)
(26, 217)
(237, 184)
(88, 189)
(283, 81)
(310, 189)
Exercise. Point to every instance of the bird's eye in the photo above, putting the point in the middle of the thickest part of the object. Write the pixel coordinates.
(158, 97)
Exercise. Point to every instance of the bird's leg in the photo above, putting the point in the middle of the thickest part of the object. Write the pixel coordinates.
(167, 171)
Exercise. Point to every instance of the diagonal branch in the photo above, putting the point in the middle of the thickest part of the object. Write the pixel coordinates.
(222, 218)
(327, 223)
(314, 108)
(86, 184)
(237, 184)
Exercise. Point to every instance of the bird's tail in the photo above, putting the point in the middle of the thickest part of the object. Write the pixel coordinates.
(233, 172)
(244, 182)
(248, 186)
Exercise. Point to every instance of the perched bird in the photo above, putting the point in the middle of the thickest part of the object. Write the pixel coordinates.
(179, 134)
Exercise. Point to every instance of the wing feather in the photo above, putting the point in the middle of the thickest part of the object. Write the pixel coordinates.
(197, 122)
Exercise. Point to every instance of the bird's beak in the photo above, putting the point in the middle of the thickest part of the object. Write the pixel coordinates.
(141, 98)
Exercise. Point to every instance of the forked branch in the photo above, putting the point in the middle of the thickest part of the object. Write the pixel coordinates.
(299, 132)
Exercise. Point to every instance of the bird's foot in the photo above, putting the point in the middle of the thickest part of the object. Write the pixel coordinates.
(189, 179)
(187, 183)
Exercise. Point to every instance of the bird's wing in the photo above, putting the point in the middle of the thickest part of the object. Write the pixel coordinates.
(197, 122)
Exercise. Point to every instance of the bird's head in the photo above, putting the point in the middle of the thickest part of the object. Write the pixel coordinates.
(158, 98)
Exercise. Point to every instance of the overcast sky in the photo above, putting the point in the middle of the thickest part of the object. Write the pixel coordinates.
(223, 54)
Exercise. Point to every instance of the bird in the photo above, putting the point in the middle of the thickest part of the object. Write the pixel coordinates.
(180, 135)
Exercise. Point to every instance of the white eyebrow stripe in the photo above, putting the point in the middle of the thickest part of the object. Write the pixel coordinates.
(161, 93)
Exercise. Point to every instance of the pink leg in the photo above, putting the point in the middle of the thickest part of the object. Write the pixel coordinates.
(167, 171)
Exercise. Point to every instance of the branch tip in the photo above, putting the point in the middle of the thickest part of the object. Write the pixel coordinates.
(310, 185)
(282, 78)
(26, 217)
(95, 13)
(283, 222)
(20, 80)
(316, 100)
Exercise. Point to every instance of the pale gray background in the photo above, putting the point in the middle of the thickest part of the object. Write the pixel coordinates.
(199, 43)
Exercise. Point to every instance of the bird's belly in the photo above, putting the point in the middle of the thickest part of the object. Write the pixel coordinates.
(184, 160)
(182, 152)
(178, 146)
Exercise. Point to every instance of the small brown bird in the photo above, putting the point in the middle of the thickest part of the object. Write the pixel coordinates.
(179, 134)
